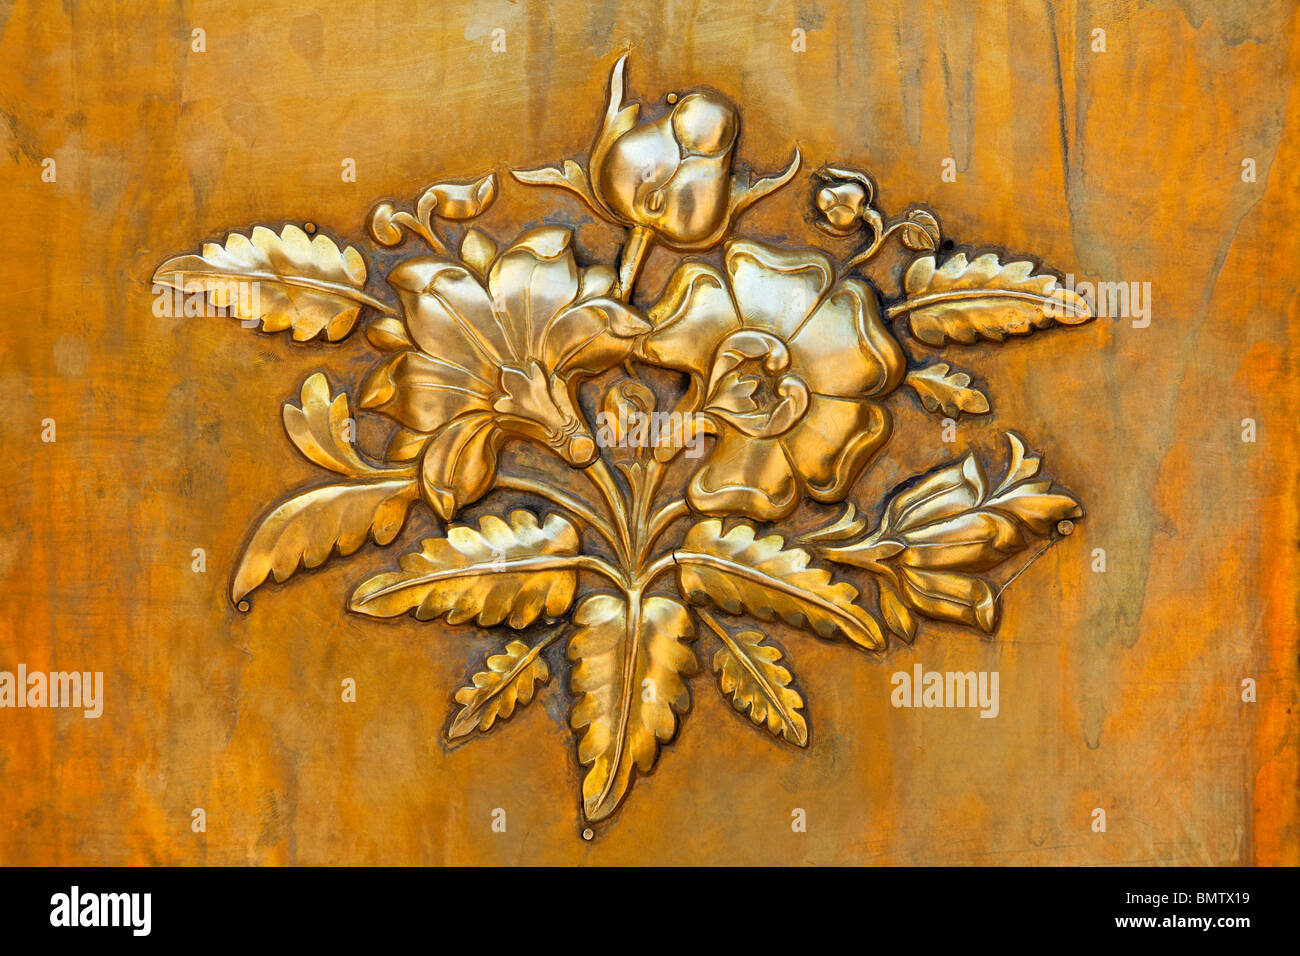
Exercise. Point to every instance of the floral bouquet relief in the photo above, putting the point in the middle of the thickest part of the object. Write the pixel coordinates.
(761, 378)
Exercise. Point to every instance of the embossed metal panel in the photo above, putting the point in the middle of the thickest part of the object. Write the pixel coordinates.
(567, 433)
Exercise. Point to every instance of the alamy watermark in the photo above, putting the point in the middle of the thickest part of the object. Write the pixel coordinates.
(75, 908)
(922, 688)
(83, 690)
(1115, 300)
(192, 297)
(638, 429)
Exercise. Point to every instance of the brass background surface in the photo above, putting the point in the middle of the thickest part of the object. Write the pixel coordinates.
(1118, 690)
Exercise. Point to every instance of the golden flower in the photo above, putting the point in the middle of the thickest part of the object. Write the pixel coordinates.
(788, 361)
(477, 363)
(673, 174)
(670, 175)
(845, 202)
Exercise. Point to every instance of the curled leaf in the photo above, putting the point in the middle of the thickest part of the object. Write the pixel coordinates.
(322, 428)
(920, 231)
(382, 227)
(457, 201)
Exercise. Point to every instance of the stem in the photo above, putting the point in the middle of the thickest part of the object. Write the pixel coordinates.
(324, 286)
(639, 242)
(665, 562)
(872, 249)
(541, 562)
(423, 230)
(662, 520)
(578, 508)
(604, 481)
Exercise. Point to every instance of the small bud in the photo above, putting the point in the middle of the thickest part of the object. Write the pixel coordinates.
(381, 225)
(844, 201)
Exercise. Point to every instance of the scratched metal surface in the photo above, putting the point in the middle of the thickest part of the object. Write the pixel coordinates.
(1119, 690)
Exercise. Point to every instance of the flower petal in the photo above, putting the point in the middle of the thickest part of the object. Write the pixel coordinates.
(843, 347)
(776, 289)
(531, 282)
(745, 476)
(834, 442)
(692, 316)
(591, 337)
(449, 314)
(422, 392)
(596, 282)
(460, 464)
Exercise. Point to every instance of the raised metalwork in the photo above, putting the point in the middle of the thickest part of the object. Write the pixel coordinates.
(759, 380)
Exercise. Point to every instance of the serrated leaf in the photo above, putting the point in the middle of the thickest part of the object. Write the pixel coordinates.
(498, 572)
(941, 388)
(287, 281)
(308, 528)
(318, 427)
(740, 573)
(629, 660)
(751, 676)
(964, 301)
(509, 681)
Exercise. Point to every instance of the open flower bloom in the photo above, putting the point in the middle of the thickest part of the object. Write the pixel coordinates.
(479, 362)
(789, 362)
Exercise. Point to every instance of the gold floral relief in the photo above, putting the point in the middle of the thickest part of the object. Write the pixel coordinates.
(689, 429)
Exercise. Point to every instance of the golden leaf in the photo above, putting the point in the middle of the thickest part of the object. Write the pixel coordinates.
(477, 251)
(738, 572)
(500, 571)
(318, 428)
(388, 334)
(896, 613)
(629, 659)
(963, 302)
(920, 231)
(309, 527)
(945, 596)
(571, 177)
(750, 674)
(939, 387)
(286, 281)
(457, 201)
(510, 680)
